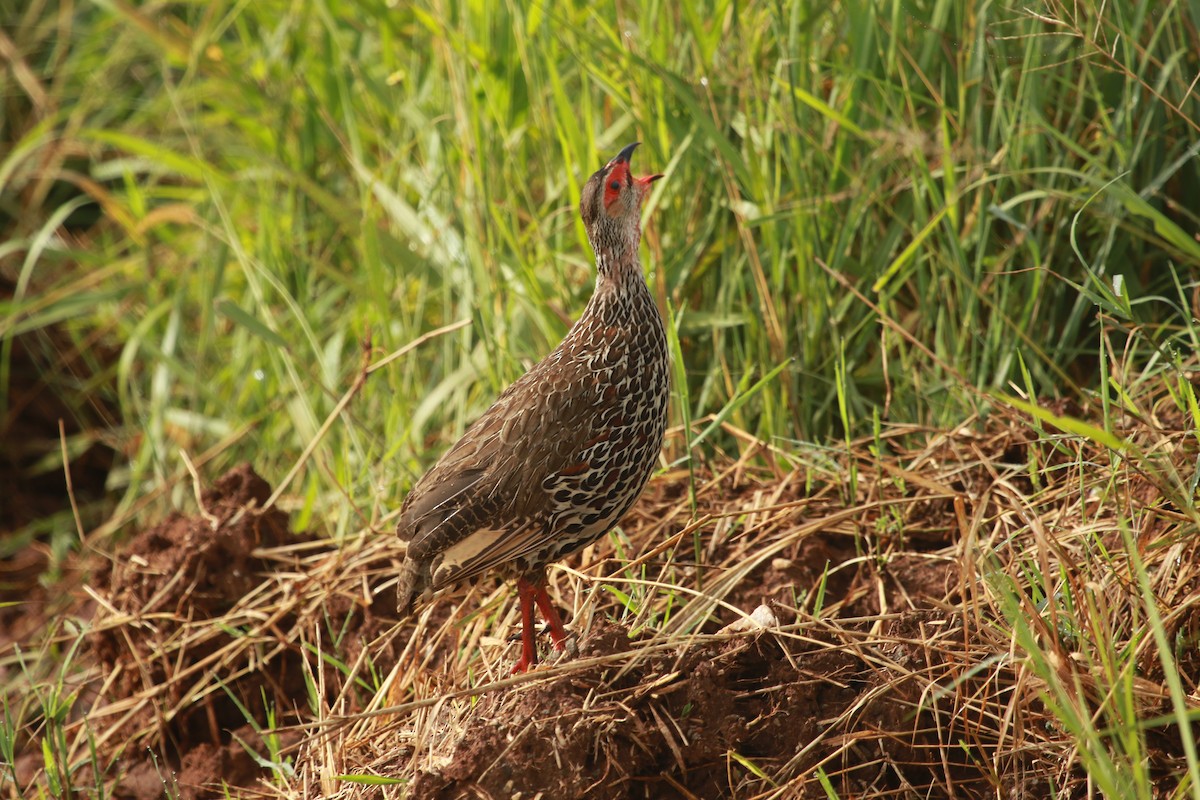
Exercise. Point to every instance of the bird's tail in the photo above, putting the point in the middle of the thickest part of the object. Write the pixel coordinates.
(408, 585)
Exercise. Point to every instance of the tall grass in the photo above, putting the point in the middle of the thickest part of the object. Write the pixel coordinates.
(265, 188)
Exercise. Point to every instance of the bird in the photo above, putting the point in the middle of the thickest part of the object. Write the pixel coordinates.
(563, 452)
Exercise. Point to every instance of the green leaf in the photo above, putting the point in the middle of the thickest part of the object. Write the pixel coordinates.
(737, 402)
(1069, 424)
(827, 111)
(184, 166)
(371, 780)
(908, 252)
(751, 766)
(239, 316)
(1165, 227)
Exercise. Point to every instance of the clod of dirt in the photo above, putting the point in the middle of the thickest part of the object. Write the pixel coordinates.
(210, 766)
(170, 580)
(709, 718)
(668, 720)
(203, 562)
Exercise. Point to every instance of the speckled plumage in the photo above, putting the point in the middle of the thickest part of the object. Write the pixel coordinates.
(564, 451)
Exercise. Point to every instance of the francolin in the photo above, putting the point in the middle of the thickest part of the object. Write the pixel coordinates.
(564, 451)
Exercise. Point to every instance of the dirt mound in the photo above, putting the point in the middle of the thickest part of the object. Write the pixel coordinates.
(670, 721)
(187, 657)
(204, 562)
(188, 571)
(714, 718)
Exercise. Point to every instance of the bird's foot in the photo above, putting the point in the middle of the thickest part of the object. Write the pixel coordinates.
(544, 629)
(566, 643)
(562, 639)
(533, 593)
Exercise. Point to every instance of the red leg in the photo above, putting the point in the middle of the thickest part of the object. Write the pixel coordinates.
(558, 634)
(527, 593)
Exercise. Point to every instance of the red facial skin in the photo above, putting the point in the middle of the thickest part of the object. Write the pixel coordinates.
(618, 177)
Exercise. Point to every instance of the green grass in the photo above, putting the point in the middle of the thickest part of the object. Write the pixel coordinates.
(267, 191)
(874, 212)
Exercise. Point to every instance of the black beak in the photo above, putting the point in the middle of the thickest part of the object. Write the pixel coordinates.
(623, 156)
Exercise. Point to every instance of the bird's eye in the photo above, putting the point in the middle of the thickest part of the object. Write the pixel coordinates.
(614, 185)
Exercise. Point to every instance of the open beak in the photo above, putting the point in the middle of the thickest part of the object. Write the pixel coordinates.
(623, 158)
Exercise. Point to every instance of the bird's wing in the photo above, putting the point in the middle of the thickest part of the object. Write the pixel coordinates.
(480, 506)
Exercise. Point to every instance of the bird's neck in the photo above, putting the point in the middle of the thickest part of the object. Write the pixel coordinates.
(621, 293)
(619, 271)
(617, 261)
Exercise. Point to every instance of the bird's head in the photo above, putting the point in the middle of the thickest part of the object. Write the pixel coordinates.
(611, 205)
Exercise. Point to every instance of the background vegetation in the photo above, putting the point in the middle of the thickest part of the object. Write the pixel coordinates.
(875, 212)
(900, 204)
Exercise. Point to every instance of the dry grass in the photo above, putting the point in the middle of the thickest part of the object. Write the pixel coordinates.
(978, 619)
